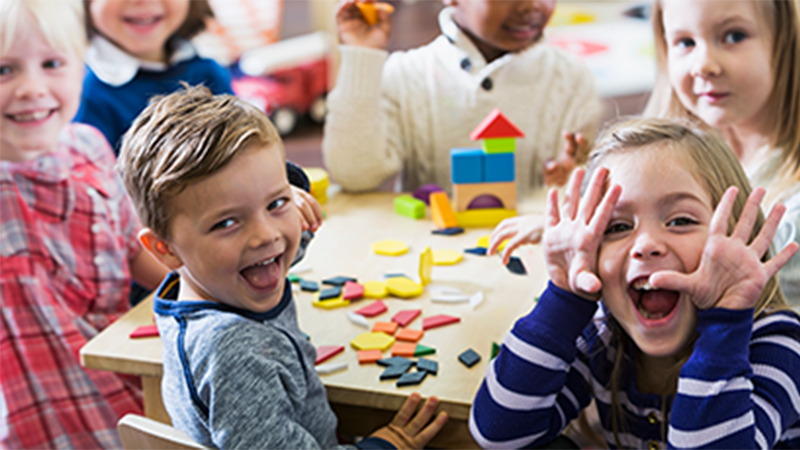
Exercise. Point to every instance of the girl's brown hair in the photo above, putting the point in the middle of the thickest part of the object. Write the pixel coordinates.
(195, 22)
(715, 167)
(783, 16)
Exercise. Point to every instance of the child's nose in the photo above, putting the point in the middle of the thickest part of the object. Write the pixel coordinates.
(648, 245)
(706, 63)
(32, 85)
(263, 233)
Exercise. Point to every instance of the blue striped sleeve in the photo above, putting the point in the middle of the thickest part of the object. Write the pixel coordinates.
(532, 389)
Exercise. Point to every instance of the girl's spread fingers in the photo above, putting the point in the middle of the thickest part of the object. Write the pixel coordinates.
(593, 196)
(744, 225)
(406, 411)
(573, 194)
(431, 430)
(588, 282)
(422, 417)
(671, 280)
(719, 221)
(775, 263)
(551, 208)
(605, 210)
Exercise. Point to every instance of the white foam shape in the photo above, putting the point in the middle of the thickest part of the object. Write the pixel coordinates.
(299, 270)
(449, 298)
(323, 369)
(476, 299)
(444, 290)
(358, 319)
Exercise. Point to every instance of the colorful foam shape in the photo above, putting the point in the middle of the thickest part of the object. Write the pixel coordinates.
(425, 266)
(337, 302)
(410, 207)
(495, 125)
(393, 372)
(469, 358)
(293, 278)
(369, 356)
(409, 335)
(319, 180)
(484, 217)
(411, 378)
(403, 318)
(499, 145)
(466, 165)
(446, 257)
(404, 348)
(423, 350)
(403, 287)
(326, 352)
(144, 331)
(437, 321)
(481, 251)
(441, 211)
(330, 293)
(390, 247)
(515, 266)
(484, 242)
(375, 308)
(309, 286)
(324, 369)
(424, 192)
(339, 281)
(452, 231)
(396, 361)
(498, 167)
(370, 10)
(372, 341)
(385, 327)
(358, 319)
(428, 365)
(374, 289)
(495, 350)
(352, 291)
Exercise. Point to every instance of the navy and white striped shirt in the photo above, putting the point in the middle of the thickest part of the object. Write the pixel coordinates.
(740, 388)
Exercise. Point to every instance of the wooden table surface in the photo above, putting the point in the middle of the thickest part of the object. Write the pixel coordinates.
(342, 246)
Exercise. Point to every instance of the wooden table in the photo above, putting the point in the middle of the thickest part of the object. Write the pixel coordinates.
(343, 247)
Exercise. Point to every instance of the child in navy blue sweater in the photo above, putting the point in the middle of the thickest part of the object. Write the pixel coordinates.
(138, 50)
(663, 307)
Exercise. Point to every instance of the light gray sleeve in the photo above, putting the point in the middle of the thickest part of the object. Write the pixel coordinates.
(354, 143)
(247, 395)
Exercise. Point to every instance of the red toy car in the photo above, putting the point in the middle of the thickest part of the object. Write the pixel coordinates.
(286, 80)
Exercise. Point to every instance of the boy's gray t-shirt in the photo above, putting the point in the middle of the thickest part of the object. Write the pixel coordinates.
(238, 379)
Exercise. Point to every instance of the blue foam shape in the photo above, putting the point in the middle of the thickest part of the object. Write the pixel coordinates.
(466, 165)
(498, 167)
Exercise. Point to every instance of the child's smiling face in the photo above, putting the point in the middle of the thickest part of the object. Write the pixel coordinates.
(661, 222)
(236, 232)
(40, 89)
(498, 27)
(140, 27)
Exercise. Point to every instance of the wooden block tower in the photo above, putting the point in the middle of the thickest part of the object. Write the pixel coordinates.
(484, 187)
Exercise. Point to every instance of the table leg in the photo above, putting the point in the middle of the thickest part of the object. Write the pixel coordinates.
(153, 406)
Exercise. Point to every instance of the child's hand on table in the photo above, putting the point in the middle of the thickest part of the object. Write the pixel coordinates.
(556, 172)
(573, 233)
(310, 209)
(354, 29)
(409, 430)
(518, 230)
(731, 274)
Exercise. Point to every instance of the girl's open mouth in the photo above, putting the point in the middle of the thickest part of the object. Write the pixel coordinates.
(651, 303)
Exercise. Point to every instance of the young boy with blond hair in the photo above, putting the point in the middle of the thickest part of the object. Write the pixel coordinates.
(207, 175)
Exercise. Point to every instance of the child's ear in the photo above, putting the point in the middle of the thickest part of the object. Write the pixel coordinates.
(159, 248)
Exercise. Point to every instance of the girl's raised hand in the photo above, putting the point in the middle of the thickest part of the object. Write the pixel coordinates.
(355, 30)
(731, 274)
(518, 230)
(556, 172)
(574, 231)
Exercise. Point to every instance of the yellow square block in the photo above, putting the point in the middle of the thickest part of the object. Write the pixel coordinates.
(375, 289)
(487, 217)
(403, 287)
(426, 262)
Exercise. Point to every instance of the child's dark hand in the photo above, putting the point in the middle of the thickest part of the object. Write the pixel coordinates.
(556, 172)
(355, 30)
(518, 230)
(309, 207)
(731, 274)
(410, 430)
(573, 233)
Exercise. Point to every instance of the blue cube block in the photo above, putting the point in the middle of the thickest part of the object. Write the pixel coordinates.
(466, 165)
(498, 167)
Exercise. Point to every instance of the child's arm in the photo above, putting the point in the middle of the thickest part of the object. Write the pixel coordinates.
(146, 270)
(355, 29)
(556, 171)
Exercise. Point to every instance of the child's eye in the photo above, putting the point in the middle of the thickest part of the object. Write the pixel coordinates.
(277, 203)
(733, 37)
(681, 222)
(52, 64)
(5, 70)
(684, 43)
(222, 224)
(617, 228)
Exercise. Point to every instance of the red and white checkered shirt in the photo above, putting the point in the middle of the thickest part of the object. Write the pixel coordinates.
(68, 233)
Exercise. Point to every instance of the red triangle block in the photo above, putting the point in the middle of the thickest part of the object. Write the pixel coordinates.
(495, 125)
(352, 291)
(372, 310)
(405, 317)
(144, 331)
(438, 321)
(326, 352)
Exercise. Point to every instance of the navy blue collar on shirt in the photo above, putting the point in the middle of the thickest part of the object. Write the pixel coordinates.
(165, 302)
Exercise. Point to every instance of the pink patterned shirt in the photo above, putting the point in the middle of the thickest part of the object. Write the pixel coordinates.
(68, 234)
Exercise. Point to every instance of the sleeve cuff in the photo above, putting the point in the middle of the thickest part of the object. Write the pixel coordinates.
(297, 177)
(375, 443)
(723, 343)
(561, 312)
(360, 70)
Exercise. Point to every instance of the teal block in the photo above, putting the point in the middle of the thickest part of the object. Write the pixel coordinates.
(498, 167)
(408, 206)
(500, 145)
(466, 165)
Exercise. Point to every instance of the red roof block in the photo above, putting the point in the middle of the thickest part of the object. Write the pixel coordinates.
(372, 310)
(325, 352)
(438, 321)
(495, 125)
(405, 317)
